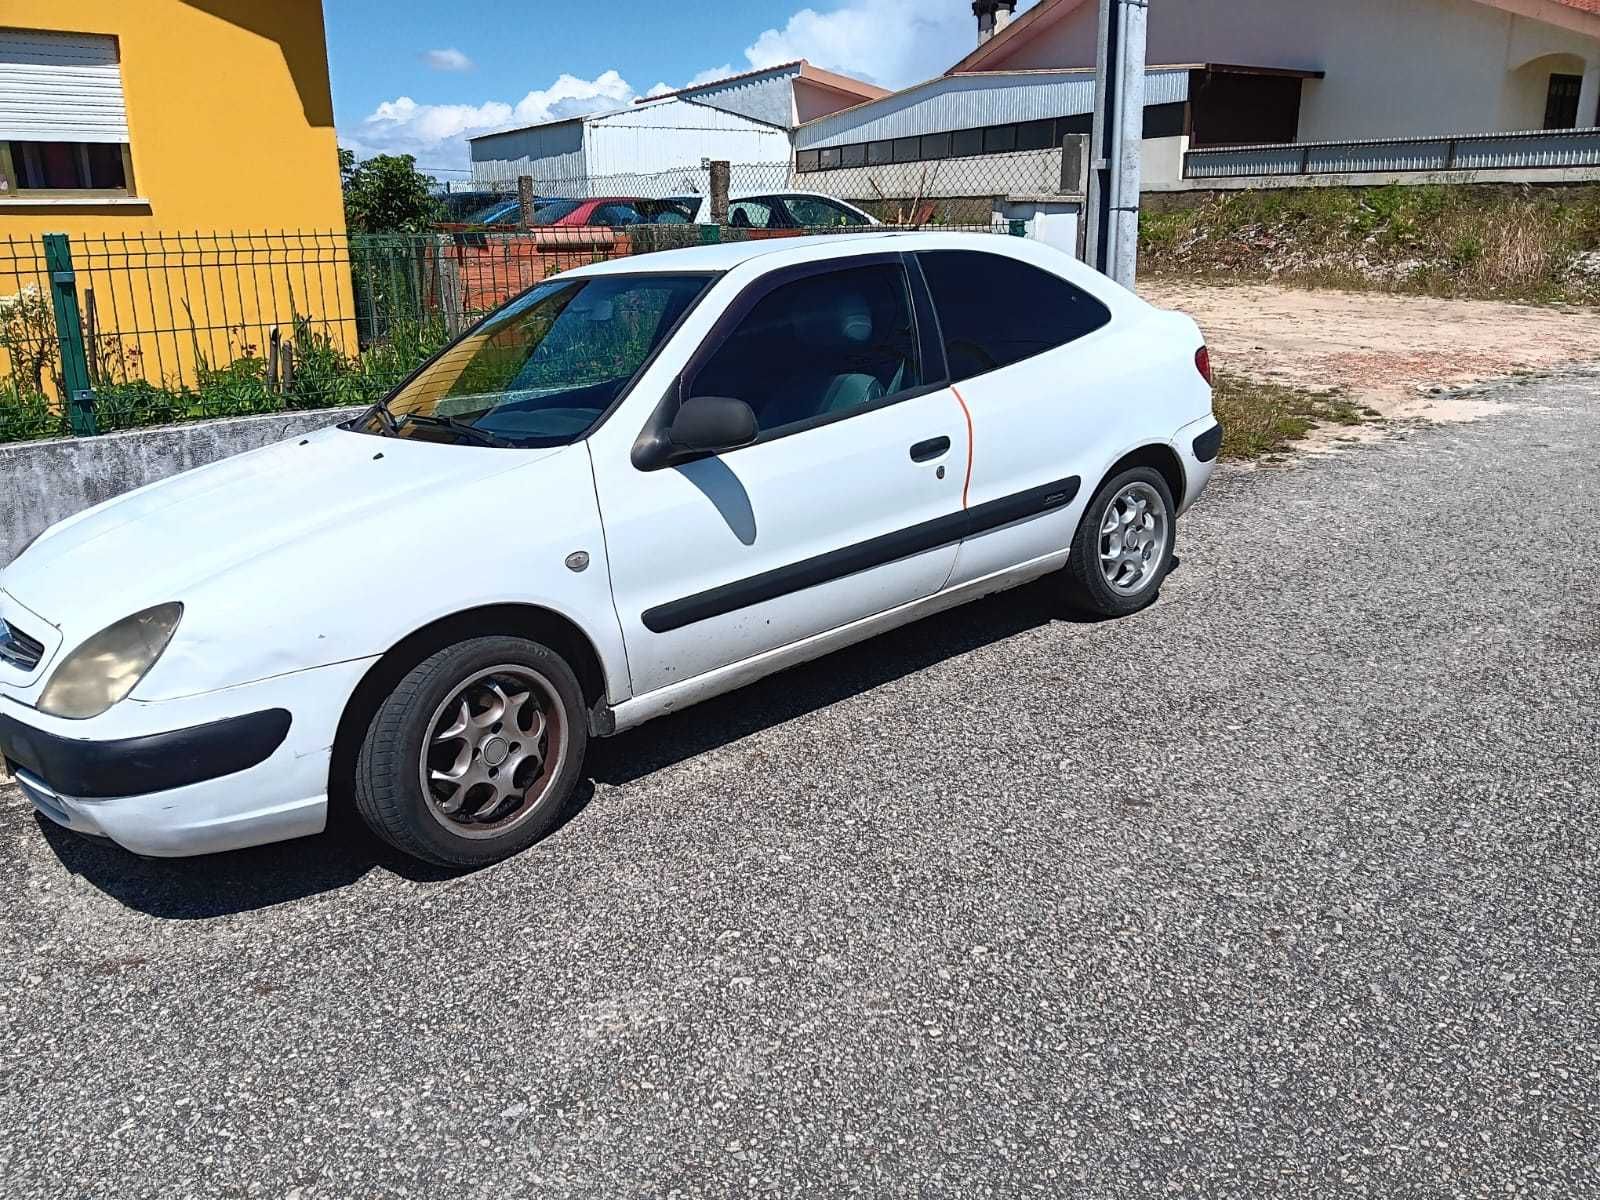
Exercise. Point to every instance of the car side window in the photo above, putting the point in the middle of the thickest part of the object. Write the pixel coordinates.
(817, 213)
(995, 311)
(752, 214)
(820, 346)
(615, 215)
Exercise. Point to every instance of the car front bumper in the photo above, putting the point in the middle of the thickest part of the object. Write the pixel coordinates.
(205, 773)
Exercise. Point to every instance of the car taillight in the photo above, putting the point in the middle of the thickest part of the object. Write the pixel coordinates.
(1202, 363)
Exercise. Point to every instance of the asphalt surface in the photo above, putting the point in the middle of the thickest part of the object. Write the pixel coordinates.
(1287, 886)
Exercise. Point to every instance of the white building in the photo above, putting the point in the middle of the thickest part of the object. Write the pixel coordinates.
(1384, 68)
(657, 146)
(1314, 71)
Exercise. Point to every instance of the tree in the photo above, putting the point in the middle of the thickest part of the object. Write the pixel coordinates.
(386, 194)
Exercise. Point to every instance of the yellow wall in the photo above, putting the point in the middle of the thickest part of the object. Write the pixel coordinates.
(230, 124)
(229, 115)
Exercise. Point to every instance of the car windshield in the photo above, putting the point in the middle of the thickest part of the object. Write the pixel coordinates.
(543, 369)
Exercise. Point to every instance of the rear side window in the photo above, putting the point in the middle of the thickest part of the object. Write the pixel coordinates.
(995, 311)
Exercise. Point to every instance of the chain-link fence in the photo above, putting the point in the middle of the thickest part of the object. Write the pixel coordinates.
(891, 181)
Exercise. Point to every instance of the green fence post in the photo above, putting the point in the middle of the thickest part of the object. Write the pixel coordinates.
(69, 334)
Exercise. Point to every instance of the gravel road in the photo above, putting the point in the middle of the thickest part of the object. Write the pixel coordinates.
(1285, 886)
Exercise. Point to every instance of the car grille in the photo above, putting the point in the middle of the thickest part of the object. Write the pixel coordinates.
(18, 649)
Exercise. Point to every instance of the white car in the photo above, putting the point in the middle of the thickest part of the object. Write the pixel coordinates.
(638, 485)
(786, 210)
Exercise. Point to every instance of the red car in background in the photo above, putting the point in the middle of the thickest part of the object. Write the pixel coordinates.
(611, 212)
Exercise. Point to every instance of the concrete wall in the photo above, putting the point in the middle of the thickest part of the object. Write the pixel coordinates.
(1395, 68)
(45, 482)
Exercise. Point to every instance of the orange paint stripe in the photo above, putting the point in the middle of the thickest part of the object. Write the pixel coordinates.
(966, 412)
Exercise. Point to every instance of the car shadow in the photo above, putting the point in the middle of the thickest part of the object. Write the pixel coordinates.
(242, 881)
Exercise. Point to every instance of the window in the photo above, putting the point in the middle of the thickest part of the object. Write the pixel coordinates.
(1561, 103)
(854, 156)
(822, 346)
(936, 145)
(808, 160)
(967, 142)
(67, 166)
(816, 212)
(615, 215)
(63, 125)
(830, 158)
(999, 139)
(754, 214)
(543, 370)
(548, 212)
(1036, 135)
(995, 311)
(879, 153)
(906, 149)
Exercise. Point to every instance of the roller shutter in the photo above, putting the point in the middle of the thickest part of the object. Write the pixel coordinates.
(60, 87)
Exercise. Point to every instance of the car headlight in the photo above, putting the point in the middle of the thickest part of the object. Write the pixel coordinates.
(109, 665)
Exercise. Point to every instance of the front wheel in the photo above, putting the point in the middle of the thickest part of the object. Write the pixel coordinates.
(1123, 548)
(475, 753)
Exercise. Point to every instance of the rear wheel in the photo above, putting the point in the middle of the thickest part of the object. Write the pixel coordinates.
(475, 753)
(1123, 548)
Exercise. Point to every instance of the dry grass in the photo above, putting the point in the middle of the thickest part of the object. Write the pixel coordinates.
(1263, 419)
(1469, 242)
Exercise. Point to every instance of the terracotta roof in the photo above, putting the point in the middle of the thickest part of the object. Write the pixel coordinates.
(1588, 6)
(816, 75)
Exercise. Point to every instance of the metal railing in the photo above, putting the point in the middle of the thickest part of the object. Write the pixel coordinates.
(1537, 149)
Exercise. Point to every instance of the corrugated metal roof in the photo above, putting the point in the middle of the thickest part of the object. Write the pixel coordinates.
(975, 100)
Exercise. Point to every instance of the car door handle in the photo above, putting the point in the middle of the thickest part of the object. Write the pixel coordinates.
(930, 449)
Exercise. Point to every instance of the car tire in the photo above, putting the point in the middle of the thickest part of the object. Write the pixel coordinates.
(1109, 573)
(475, 754)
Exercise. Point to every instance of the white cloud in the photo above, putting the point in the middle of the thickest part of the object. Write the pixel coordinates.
(437, 133)
(889, 42)
(447, 60)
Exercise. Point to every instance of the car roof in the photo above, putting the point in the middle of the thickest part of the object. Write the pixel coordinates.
(724, 256)
(775, 253)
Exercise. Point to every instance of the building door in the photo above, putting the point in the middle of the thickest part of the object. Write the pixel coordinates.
(1561, 105)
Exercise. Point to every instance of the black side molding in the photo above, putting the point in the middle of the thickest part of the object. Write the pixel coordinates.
(1209, 444)
(137, 766)
(863, 556)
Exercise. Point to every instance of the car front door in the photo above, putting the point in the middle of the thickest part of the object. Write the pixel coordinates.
(833, 515)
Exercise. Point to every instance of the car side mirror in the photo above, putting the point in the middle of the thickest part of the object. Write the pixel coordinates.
(712, 424)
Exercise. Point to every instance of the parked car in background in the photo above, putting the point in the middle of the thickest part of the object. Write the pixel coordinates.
(602, 212)
(786, 210)
(637, 485)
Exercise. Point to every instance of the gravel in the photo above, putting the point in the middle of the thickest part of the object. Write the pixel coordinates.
(1286, 885)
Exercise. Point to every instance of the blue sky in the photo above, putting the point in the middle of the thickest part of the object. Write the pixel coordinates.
(421, 79)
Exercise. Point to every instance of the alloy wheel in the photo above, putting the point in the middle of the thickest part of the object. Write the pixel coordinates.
(1133, 538)
(493, 749)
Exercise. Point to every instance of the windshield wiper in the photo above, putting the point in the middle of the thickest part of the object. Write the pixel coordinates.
(471, 432)
(391, 427)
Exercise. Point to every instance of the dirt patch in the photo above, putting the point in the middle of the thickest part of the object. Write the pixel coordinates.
(1402, 356)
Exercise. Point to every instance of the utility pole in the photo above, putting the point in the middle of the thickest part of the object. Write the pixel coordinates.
(1113, 235)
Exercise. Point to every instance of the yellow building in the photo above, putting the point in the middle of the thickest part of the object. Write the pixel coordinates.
(187, 150)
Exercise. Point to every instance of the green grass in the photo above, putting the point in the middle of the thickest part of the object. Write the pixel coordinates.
(1483, 242)
(1264, 419)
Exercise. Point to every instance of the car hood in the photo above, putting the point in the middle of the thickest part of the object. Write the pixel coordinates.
(162, 541)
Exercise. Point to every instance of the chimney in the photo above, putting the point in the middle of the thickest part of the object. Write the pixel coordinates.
(993, 16)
